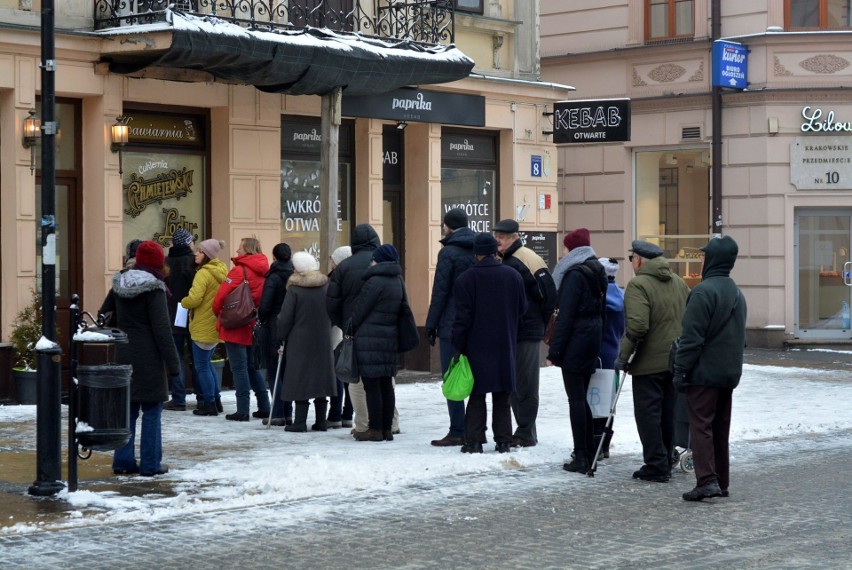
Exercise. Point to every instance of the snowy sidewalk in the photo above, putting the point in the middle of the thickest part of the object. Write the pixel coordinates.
(218, 465)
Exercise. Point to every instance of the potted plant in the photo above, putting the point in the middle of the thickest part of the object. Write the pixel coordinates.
(26, 332)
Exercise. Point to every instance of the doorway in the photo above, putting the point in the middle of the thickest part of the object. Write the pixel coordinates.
(823, 295)
(393, 194)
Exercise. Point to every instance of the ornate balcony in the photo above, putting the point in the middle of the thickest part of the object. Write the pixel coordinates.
(428, 22)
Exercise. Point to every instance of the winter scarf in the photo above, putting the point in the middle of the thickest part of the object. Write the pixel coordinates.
(574, 257)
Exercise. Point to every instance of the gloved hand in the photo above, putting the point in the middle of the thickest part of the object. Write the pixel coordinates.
(679, 381)
(432, 336)
(621, 365)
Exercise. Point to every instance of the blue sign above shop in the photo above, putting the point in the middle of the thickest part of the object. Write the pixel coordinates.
(730, 65)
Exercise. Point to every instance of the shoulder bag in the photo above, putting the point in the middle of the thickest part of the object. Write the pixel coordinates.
(551, 326)
(345, 361)
(238, 309)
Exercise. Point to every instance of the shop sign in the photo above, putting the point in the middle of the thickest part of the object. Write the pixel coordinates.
(468, 148)
(730, 65)
(479, 213)
(544, 244)
(588, 121)
(164, 129)
(814, 123)
(821, 163)
(303, 135)
(418, 105)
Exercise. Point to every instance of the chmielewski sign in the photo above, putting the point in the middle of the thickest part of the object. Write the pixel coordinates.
(418, 105)
(730, 65)
(592, 120)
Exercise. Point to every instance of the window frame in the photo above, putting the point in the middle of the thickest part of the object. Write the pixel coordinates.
(672, 23)
(823, 19)
(467, 10)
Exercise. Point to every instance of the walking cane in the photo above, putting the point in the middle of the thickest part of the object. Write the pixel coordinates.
(275, 385)
(609, 419)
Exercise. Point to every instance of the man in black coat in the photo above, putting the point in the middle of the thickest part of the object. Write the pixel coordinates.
(709, 363)
(455, 256)
(490, 300)
(271, 300)
(181, 264)
(541, 300)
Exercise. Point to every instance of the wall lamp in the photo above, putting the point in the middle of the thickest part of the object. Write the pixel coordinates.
(120, 136)
(400, 125)
(32, 126)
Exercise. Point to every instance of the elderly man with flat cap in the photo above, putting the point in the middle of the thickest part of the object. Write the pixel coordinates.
(654, 303)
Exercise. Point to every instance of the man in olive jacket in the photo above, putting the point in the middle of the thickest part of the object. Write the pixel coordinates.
(709, 364)
(654, 302)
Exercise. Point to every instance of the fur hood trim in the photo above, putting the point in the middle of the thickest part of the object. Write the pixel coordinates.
(133, 282)
(308, 279)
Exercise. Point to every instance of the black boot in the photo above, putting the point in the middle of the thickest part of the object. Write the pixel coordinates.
(320, 408)
(206, 409)
(580, 463)
(300, 424)
(605, 450)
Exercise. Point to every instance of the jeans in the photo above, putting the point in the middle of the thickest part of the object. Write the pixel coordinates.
(582, 426)
(280, 408)
(455, 409)
(150, 440)
(208, 382)
(246, 378)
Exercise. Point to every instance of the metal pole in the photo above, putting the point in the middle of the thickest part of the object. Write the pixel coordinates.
(329, 175)
(48, 394)
(716, 158)
(72, 397)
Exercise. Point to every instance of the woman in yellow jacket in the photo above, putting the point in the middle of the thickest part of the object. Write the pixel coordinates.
(202, 322)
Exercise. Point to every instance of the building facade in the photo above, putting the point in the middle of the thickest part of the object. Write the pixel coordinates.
(785, 186)
(226, 160)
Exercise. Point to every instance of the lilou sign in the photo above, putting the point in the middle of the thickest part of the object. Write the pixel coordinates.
(815, 123)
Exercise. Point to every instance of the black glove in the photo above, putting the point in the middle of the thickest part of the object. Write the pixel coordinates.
(432, 336)
(621, 365)
(679, 381)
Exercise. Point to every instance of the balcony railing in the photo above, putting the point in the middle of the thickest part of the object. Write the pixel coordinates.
(430, 22)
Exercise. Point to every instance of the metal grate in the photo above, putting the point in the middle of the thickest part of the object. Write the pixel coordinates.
(690, 133)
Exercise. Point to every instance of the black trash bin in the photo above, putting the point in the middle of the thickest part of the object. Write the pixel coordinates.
(103, 419)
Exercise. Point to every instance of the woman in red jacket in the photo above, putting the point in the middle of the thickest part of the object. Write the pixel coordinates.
(251, 264)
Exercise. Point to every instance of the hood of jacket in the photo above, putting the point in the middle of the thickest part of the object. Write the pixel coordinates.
(462, 237)
(720, 254)
(256, 262)
(364, 236)
(388, 268)
(283, 268)
(658, 268)
(216, 268)
(133, 282)
(308, 279)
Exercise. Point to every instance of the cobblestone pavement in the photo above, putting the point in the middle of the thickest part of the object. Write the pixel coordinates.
(789, 508)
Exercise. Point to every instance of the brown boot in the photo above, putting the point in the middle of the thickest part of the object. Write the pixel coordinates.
(369, 435)
(387, 435)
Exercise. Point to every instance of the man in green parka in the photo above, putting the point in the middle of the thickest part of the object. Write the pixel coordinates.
(709, 364)
(654, 301)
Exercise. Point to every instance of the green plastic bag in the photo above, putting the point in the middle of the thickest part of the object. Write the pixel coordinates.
(458, 380)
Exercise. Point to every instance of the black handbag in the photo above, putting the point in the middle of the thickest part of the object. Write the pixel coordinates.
(345, 362)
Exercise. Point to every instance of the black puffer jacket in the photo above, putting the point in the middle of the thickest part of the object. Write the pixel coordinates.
(578, 334)
(374, 320)
(454, 258)
(181, 264)
(345, 281)
(274, 290)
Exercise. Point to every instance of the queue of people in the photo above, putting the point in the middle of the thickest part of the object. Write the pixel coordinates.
(492, 299)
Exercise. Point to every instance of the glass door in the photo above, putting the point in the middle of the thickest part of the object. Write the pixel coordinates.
(823, 295)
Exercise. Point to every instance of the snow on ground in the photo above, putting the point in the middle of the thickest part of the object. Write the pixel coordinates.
(216, 464)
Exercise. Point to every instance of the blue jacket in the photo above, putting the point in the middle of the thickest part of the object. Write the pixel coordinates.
(613, 325)
(455, 257)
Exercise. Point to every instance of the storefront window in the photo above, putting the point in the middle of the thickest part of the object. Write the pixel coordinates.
(469, 177)
(673, 205)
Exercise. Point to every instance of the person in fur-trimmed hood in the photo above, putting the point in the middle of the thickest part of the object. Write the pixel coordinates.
(141, 312)
(304, 327)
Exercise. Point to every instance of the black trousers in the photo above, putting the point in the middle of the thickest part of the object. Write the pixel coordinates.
(653, 408)
(381, 400)
(476, 416)
(709, 433)
(582, 426)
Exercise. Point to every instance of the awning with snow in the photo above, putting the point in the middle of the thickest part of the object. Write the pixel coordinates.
(311, 61)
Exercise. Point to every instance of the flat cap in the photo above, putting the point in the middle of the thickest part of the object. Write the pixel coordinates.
(646, 249)
(507, 226)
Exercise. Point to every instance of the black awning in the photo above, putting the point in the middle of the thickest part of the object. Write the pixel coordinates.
(313, 61)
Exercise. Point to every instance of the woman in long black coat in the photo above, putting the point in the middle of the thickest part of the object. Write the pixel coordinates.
(374, 325)
(271, 300)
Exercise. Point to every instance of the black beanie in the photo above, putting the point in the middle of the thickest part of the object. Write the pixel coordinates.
(484, 244)
(282, 252)
(455, 219)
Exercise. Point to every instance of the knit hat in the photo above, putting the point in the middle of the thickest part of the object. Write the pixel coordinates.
(455, 219)
(182, 237)
(210, 248)
(506, 226)
(341, 253)
(131, 248)
(150, 254)
(384, 253)
(304, 262)
(610, 265)
(577, 238)
(484, 244)
(282, 252)
(645, 249)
